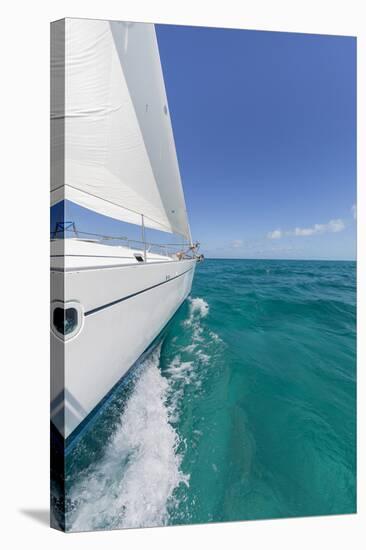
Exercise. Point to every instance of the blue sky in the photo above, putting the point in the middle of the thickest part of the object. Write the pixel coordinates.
(265, 131)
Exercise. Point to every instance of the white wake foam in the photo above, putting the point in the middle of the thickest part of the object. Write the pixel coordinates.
(198, 308)
(182, 372)
(134, 483)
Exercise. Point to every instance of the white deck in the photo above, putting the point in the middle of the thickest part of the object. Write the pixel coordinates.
(70, 254)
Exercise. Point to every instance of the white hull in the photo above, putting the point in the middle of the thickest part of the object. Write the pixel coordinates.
(123, 309)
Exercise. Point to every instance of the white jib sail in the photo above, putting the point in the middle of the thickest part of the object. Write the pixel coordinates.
(119, 152)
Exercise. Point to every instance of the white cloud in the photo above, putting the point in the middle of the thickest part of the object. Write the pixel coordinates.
(333, 226)
(354, 211)
(305, 231)
(276, 234)
(237, 243)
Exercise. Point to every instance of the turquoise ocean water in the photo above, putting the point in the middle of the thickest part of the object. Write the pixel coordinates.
(246, 411)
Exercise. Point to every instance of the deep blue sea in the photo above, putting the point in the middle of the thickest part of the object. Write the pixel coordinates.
(246, 411)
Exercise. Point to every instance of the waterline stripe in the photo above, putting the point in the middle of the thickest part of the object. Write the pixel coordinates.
(99, 308)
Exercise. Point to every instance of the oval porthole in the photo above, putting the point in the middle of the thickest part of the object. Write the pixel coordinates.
(66, 319)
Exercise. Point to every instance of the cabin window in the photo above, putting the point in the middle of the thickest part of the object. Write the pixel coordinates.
(65, 321)
(139, 258)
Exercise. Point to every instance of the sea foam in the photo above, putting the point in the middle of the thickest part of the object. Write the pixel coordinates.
(198, 307)
(134, 482)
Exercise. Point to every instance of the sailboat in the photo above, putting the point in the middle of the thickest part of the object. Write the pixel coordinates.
(112, 152)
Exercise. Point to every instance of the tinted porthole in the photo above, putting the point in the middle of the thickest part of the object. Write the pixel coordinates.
(65, 321)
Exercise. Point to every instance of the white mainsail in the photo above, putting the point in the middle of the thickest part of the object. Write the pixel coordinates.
(119, 152)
